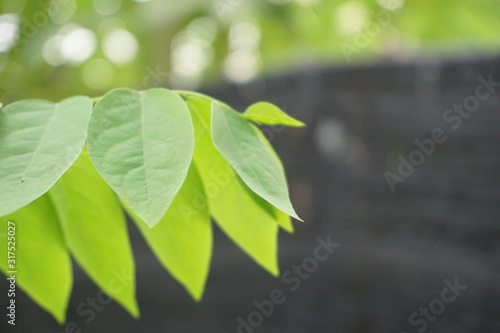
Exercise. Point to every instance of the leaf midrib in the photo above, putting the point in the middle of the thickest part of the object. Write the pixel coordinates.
(143, 139)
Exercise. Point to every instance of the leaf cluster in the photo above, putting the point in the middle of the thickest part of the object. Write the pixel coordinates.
(171, 159)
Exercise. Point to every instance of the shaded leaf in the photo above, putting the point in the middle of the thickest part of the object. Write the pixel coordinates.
(39, 141)
(141, 143)
(95, 230)
(182, 240)
(42, 262)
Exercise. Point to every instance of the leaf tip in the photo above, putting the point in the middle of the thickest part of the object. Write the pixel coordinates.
(298, 123)
(197, 295)
(135, 312)
(130, 305)
(151, 223)
(274, 271)
(60, 317)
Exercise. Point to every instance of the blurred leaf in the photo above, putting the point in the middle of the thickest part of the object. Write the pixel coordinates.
(182, 240)
(39, 140)
(245, 217)
(241, 146)
(95, 230)
(42, 262)
(142, 143)
(270, 114)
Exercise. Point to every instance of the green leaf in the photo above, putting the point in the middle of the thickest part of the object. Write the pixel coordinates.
(39, 141)
(251, 158)
(270, 114)
(142, 143)
(182, 240)
(245, 217)
(95, 230)
(42, 262)
(282, 218)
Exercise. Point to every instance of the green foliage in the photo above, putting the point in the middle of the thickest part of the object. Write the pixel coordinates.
(39, 140)
(141, 143)
(95, 230)
(171, 159)
(270, 114)
(249, 156)
(182, 240)
(42, 262)
(245, 217)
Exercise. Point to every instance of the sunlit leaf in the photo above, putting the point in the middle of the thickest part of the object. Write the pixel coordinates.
(245, 217)
(39, 140)
(42, 261)
(269, 114)
(182, 240)
(141, 143)
(248, 154)
(94, 227)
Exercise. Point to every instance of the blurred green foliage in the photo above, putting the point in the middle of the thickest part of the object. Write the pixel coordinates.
(57, 48)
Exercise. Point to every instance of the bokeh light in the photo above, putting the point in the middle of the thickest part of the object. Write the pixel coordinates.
(243, 61)
(350, 17)
(9, 31)
(120, 46)
(98, 74)
(193, 43)
(78, 45)
(192, 52)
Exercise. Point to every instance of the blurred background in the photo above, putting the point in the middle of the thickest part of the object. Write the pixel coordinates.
(369, 77)
(62, 47)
